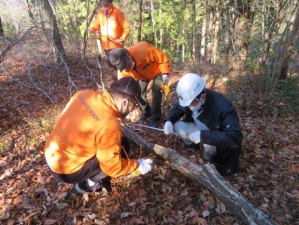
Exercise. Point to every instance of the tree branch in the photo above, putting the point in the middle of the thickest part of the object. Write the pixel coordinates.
(209, 177)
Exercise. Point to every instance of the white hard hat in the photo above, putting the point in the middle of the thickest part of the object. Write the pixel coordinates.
(188, 87)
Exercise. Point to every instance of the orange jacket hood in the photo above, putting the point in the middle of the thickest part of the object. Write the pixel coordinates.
(88, 127)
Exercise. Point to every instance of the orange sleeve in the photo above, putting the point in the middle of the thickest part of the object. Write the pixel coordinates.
(124, 24)
(95, 26)
(108, 152)
(161, 58)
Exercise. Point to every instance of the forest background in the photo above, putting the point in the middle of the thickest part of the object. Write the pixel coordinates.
(247, 50)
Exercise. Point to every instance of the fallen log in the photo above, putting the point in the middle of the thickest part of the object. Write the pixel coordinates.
(207, 176)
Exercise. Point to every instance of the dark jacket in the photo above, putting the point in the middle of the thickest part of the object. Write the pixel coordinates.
(220, 116)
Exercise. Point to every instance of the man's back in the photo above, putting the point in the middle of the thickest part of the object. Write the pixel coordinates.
(77, 133)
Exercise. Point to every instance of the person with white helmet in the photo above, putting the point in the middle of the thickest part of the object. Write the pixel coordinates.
(209, 120)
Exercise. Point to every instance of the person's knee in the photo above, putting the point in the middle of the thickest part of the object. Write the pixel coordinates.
(184, 129)
(179, 125)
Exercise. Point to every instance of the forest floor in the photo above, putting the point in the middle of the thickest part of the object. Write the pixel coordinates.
(268, 177)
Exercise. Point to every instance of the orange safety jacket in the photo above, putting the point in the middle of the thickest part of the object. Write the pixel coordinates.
(113, 27)
(150, 62)
(88, 127)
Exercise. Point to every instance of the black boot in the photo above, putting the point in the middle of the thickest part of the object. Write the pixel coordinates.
(106, 182)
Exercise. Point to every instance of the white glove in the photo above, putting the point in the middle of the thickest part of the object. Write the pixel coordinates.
(144, 167)
(195, 137)
(164, 78)
(168, 128)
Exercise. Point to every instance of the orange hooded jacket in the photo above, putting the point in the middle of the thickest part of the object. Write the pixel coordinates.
(150, 62)
(113, 27)
(88, 127)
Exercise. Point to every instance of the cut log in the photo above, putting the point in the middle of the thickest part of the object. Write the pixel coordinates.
(208, 177)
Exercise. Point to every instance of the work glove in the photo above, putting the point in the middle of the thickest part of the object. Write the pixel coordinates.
(164, 78)
(168, 127)
(145, 165)
(195, 137)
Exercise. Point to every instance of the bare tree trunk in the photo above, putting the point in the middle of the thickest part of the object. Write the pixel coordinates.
(227, 35)
(288, 46)
(241, 33)
(203, 34)
(1, 29)
(153, 22)
(139, 21)
(178, 52)
(183, 46)
(194, 39)
(76, 23)
(207, 176)
(160, 23)
(59, 52)
(210, 33)
(215, 36)
(29, 10)
(268, 16)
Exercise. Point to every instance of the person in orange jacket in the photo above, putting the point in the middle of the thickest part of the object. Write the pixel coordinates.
(144, 62)
(113, 26)
(86, 146)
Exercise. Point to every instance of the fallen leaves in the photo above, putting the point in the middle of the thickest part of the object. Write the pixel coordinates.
(29, 193)
(50, 222)
(294, 168)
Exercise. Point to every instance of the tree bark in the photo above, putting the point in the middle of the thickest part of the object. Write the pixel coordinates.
(154, 22)
(207, 176)
(216, 34)
(210, 31)
(1, 29)
(241, 32)
(194, 33)
(59, 52)
(160, 25)
(139, 21)
(288, 47)
(29, 10)
(227, 34)
(203, 34)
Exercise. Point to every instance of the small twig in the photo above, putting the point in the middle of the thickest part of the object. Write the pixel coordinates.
(101, 74)
(12, 44)
(34, 85)
(68, 76)
(91, 75)
(28, 217)
(24, 117)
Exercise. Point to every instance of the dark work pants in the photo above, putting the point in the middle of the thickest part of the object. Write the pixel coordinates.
(114, 73)
(155, 109)
(91, 170)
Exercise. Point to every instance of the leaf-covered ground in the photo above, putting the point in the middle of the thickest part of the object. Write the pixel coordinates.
(30, 195)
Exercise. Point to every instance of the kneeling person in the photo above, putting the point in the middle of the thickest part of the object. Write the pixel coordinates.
(86, 145)
(209, 120)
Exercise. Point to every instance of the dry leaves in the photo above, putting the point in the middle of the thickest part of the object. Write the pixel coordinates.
(29, 194)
